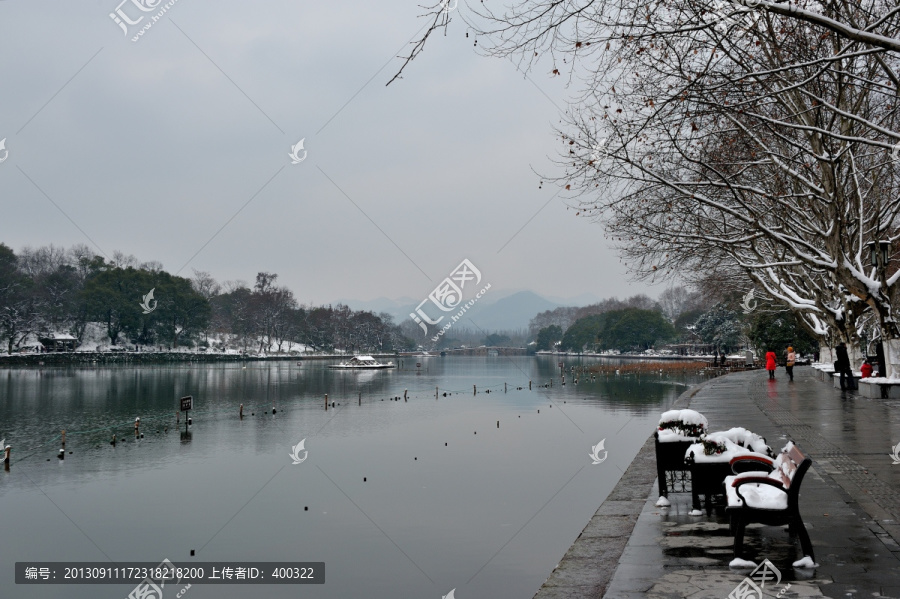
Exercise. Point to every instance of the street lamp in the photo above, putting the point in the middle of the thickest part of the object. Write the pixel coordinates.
(879, 253)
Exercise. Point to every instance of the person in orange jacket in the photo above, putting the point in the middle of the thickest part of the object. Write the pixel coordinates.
(770, 364)
(789, 365)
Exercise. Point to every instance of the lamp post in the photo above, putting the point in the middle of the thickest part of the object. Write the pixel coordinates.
(879, 256)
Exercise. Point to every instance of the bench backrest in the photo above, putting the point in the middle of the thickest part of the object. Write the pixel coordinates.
(793, 467)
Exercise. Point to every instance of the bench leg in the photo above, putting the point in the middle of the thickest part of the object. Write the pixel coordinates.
(805, 543)
(738, 524)
(663, 487)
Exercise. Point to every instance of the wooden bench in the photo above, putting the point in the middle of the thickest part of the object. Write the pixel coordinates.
(771, 499)
(707, 477)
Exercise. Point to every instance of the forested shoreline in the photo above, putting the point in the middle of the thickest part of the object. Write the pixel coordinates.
(51, 290)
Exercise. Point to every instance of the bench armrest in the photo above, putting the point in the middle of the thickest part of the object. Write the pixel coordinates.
(752, 477)
(751, 462)
(756, 478)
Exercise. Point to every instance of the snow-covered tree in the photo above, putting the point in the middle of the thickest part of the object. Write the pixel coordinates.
(758, 134)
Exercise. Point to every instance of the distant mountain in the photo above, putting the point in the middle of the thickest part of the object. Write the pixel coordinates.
(511, 312)
(585, 299)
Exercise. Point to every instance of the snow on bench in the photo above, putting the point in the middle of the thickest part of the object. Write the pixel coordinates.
(771, 499)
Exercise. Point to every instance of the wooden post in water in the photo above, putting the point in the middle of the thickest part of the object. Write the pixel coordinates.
(404, 394)
(529, 385)
(504, 387)
(474, 391)
(242, 411)
(6, 451)
(326, 402)
(360, 398)
(435, 392)
(137, 427)
(63, 438)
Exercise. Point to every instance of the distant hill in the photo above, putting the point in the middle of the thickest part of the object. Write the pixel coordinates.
(585, 299)
(511, 312)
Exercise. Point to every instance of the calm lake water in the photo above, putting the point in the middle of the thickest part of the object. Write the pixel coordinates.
(405, 498)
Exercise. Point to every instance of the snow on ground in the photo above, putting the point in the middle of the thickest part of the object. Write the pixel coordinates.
(96, 339)
(806, 562)
(741, 563)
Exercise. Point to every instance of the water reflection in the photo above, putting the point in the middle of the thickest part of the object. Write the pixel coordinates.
(399, 498)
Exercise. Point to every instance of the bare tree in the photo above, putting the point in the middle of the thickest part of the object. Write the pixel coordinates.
(122, 260)
(710, 131)
(205, 284)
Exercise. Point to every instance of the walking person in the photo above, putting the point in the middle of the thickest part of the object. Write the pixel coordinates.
(770, 364)
(843, 367)
(789, 365)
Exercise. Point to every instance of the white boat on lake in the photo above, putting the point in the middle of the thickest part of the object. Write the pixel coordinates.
(362, 363)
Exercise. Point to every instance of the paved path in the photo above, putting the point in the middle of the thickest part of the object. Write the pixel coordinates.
(849, 502)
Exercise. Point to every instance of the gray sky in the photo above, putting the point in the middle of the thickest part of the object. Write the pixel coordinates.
(151, 147)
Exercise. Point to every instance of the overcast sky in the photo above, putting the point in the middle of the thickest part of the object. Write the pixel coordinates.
(151, 147)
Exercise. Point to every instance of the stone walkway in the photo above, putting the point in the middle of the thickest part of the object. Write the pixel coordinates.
(849, 502)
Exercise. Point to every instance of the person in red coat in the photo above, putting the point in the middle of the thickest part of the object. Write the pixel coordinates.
(770, 364)
(866, 369)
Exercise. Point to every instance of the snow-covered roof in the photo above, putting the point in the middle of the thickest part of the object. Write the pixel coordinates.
(58, 337)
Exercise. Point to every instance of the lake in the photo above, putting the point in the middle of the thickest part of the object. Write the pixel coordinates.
(399, 498)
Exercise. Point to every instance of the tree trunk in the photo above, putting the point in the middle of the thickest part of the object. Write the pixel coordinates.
(882, 360)
(892, 357)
